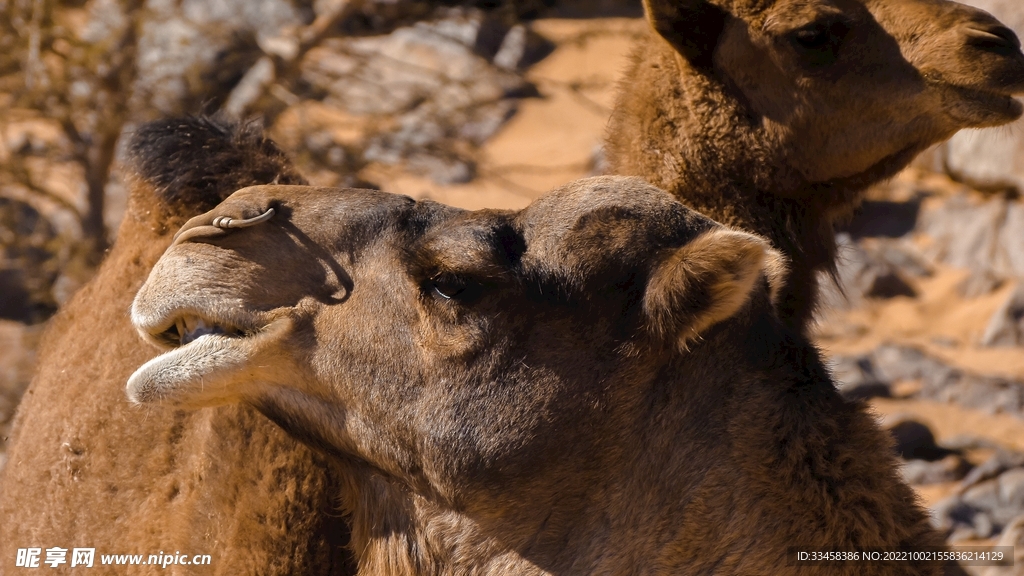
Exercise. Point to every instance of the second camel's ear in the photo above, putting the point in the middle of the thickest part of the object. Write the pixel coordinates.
(692, 27)
(707, 281)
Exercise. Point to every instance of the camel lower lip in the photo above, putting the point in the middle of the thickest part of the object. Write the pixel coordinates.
(1005, 105)
(198, 372)
(169, 375)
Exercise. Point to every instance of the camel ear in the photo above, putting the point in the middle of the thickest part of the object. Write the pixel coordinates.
(707, 281)
(692, 27)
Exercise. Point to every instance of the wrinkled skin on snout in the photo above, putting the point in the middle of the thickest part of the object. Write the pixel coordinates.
(597, 383)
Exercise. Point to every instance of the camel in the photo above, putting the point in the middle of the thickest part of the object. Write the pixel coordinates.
(598, 383)
(774, 116)
(86, 469)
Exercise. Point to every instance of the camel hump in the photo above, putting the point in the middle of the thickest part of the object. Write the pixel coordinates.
(185, 166)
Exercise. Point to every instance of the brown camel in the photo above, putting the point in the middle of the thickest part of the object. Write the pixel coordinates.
(86, 469)
(774, 115)
(598, 383)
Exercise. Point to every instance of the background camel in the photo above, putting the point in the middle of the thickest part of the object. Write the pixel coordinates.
(88, 470)
(775, 116)
(486, 379)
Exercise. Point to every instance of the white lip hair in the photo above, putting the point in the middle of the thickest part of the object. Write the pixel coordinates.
(201, 371)
(170, 375)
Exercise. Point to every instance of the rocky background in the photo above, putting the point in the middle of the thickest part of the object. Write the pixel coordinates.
(490, 104)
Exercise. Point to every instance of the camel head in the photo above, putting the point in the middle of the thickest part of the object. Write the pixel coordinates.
(444, 347)
(845, 89)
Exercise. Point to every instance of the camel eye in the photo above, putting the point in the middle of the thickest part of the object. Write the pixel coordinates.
(450, 286)
(819, 42)
(812, 38)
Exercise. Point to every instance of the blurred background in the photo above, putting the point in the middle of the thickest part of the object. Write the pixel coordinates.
(490, 104)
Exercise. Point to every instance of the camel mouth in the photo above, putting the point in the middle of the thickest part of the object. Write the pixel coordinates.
(204, 358)
(188, 328)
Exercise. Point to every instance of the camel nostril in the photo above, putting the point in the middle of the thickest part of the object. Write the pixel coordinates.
(998, 39)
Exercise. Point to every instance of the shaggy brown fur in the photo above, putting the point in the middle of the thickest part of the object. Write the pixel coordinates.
(87, 469)
(774, 115)
(520, 392)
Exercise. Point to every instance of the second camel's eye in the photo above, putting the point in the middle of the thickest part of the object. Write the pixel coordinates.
(448, 286)
(820, 42)
(812, 38)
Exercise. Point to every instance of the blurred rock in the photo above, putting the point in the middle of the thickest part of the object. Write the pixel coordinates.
(1013, 535)
(948, 469)
(18, 344)
(971, 234)
(435, 82)
(981, 282)
(1006, 328)
(31, 257)
(961, 521)
(913, 440)
(885, 218)
(963, 442)
(876, 271)
(990, 499)
(192, 53)
(890, 363)
(857, 380)
(998, 463)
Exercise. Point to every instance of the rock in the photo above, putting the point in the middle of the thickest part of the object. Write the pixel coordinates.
(885, 218)
(913, 439)
(18, 343)
(875, 272)
(964, 232)
(31, 257)
(431, 83)
(857, 380)
(983, 508)
(1011, 491)
(949, 469)
(192, 53)
(890, 363)
(983, 495)
(972, 234)
(1013, 535)
(398, 72)
(1000, 462)
(520, 48)
(1006, 328)
(961, 521)
(981, 282)
(963, 442)
(904, 257)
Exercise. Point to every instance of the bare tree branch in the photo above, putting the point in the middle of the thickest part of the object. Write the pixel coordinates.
(278, 66)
